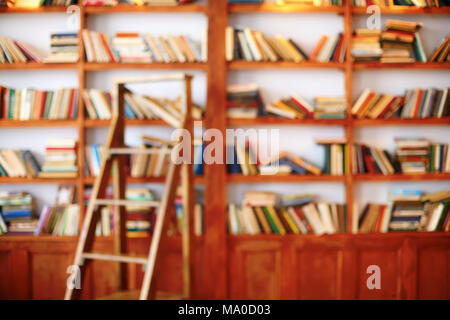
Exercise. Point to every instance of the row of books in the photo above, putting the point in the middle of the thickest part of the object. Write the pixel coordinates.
(58, 220)
(32, 104)
(17, 51)
(245, 101)
(416, 103)
(408, 210)
(413, 156)
(109, 3)
(36, 3)
(17, 212)
(251, 45)
(316, 3)
(297, 214)
(131, 47)
(60, 159)
(63, 48)
(442, 52)
(98, 105)
(411, 3)
(18, 163)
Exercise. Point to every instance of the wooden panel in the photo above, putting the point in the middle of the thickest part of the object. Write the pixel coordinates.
(255, 271)
(48, 273)
(433, 273)
(389, 261)
(318, 274)
(4, 275)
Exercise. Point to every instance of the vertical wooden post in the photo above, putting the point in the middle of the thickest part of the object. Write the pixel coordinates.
(119, 173)
(188, 198)
(349, 196)
(215, 247)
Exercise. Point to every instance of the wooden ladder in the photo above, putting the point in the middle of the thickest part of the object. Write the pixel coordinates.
(113, 165)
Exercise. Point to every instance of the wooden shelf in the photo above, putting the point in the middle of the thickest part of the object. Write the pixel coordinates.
(414, 65)
(241, 65)
(94, 66)
(9, 180)
(404, 10)
(91, 180)
(124, 8)
(402, 177)
(285, 121)
(286, 8)
(400, 122)
(43, 9)
(37, 66)
(38, 123)
(93, 123)
(239, 178)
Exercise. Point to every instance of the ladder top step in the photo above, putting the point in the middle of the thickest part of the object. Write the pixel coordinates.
(139, 151)
(115, 257)
(121, 202)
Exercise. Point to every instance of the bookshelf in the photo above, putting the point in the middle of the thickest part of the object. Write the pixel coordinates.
(216, 249)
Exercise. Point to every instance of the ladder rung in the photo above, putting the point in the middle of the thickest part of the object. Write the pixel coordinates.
(138, 151)
(113, 202)
(113, 257)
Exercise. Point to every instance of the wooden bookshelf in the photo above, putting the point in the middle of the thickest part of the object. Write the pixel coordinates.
(231, 257)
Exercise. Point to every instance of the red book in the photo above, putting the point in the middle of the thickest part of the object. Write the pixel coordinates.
(380, 218)
(368, 160)
(301, 106)
(418, 101)
(107, 48)
(42, 105)
(59, 149)
(5, 103)
(387, 108)
(71, 104)
(127, 35)
(337, 53)
(301, 216)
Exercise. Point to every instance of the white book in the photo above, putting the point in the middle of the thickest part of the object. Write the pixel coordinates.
(88, 46)
(282, 113)
(244, 46)
(160, 112)
(250, 220)
(256, 54)
(152, 44)
(25, 105)
(355, 218)
(204, 46)
(240, 153)
(359, 102)
(442, 103)
(301, 226)
(174, 46)
(161, 160)
(265, 46)
(325, 215)
(327, 50)
(313, 217)
(229, 43)
(99, 104)
(232, 220)
(434, 218)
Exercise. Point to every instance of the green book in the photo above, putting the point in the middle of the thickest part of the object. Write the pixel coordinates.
(433, 152)
(12, 96)
(442, 217)
(326, 170)
(269, 218)
(48, 103)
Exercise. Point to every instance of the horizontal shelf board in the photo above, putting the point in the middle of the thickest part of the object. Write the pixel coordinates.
(156, 8)
(285, 121)
(91, 180)
(336, 236)
(9, 180)
(404, 10)
(400, 122)
(92, 123)
(240, 64)
(286, 8)
(43, 9)
(37, 66)
(414, 65)
(402, 177)
(38, 123)
(239, 178)
(94, 66)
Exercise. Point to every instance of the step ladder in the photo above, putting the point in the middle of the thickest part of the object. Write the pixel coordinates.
(113, 166)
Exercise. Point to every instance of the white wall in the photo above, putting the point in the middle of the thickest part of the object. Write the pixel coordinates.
(305, 29)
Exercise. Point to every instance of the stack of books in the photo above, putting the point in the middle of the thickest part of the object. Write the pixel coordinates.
(244, 101)
(60, 159)
(63, 48)
(373, 218)
(330, 48)
(32, 104)
(441, 53)
(58, 2)
(366, 45)
(407, 211)
(140, 219)
(59, 220)
(130, 47)
(288, 163)
(252, 45)
(413, 154)
(401, 42)
(336, 156)
(373, 161)
(17, 51)
(16, 211)
(394, 3)
(297, 214)
(18, 163)
(97, 47)
(293, 107)
(417, 103)
(330, 108)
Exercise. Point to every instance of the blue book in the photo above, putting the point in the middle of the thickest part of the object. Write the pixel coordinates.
(198, 159)
(232, 160)
(95, 158)
(129, 114)
(16, 214)
(295, 168)
(75, 106)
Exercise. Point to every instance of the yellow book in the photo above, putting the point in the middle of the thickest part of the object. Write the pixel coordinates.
(289, 220)
(276, 220)
(297, 57)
